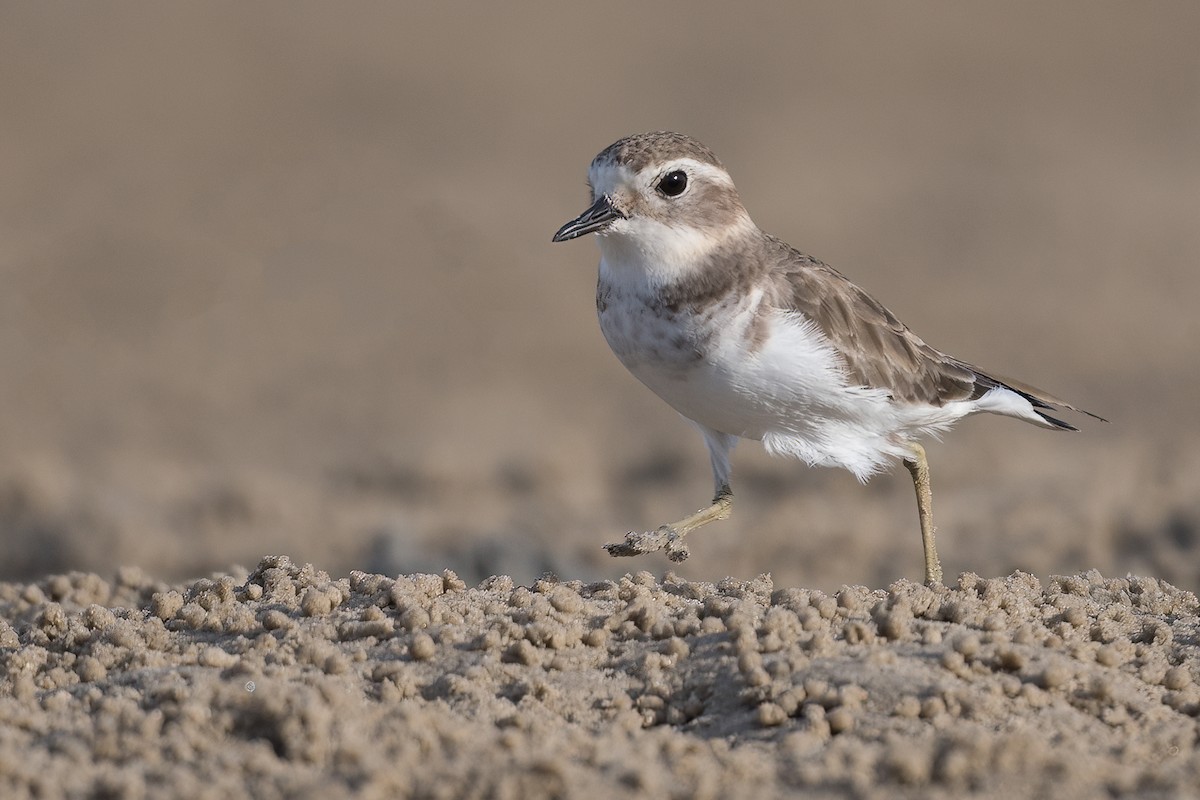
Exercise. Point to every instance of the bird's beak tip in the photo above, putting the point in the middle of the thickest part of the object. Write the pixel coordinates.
(599, 216)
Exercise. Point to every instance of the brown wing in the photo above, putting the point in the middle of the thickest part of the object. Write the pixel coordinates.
(879, 350)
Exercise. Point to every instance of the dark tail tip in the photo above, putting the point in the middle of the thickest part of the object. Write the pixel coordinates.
(1058, 423)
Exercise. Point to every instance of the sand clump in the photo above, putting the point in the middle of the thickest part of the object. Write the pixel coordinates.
(285, 682)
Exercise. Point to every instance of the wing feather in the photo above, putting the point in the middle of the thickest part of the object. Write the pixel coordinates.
(878, 350)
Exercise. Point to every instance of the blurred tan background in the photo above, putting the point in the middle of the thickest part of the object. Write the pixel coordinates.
(278, 278)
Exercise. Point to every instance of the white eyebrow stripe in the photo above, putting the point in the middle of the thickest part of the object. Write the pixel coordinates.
(689, 165)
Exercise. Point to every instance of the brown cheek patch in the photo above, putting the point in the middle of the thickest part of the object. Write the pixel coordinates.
(713, 206)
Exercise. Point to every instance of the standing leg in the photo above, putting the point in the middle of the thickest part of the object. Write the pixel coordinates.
(670, 537)
(918, 467)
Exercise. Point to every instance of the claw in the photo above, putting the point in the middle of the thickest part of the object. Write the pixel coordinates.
(636, 544)
(621, 550)
(678, 551)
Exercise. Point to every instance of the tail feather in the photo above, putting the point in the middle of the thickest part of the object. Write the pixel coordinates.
(1036, 397)
(1043, 399)
(1058, 423)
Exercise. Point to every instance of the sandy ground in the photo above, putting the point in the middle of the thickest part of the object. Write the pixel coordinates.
(278, 279)
(287, 683)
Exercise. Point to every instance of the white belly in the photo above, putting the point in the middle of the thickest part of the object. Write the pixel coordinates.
(786, 388)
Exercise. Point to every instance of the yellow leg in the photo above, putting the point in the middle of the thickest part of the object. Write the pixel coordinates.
(670, 537)
(918, 467)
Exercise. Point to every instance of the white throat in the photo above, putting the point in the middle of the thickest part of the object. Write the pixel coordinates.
(658, 253)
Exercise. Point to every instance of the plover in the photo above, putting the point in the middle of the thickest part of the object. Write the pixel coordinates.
(748, 338)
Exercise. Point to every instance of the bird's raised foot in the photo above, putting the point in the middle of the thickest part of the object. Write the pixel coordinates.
(666, 538)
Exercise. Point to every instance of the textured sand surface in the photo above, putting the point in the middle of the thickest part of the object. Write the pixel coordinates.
(287, 683)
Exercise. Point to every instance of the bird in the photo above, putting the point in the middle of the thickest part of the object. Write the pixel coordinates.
(746, 337)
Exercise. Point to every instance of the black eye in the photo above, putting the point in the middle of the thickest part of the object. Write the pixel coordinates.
(673, 183)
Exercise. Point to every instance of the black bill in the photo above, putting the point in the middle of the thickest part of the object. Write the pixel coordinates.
(596, 218)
